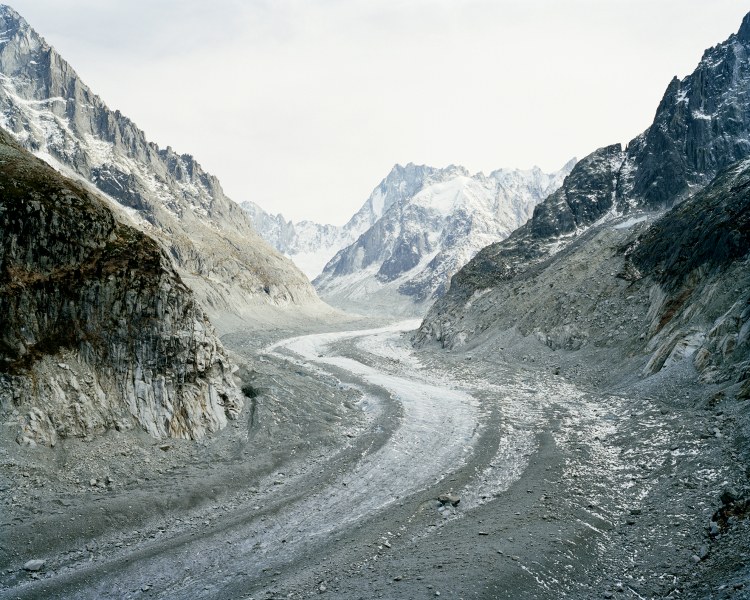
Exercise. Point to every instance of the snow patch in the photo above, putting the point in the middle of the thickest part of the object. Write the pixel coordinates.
(377, 202)
(630, 222)
(700, 115)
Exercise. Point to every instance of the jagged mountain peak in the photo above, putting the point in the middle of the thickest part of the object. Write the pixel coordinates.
(411, 167)
(32, 61)
(507, 170)
(312, 245)
(431, 221)
(535, 173)
(701, 127)
(11, 16)
(568, 166)
(744, 32)
(402, 181)
(53, 113)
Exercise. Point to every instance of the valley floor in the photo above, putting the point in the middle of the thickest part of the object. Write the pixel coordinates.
(329, 484)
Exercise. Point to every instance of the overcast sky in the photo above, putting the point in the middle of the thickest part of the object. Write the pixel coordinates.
(304, 106)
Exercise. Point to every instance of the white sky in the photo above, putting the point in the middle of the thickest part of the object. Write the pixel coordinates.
(304, 106)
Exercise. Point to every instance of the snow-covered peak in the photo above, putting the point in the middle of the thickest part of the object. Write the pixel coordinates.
(312, 245)
(436, 220)
(402, 182)
(444, 197)
(10, 18)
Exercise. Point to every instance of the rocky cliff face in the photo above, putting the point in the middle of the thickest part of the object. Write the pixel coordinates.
(433, 221)
(592, 268)
(702, 125)
(643, 292)
(698, 258)
(52, 113)
(97, 330)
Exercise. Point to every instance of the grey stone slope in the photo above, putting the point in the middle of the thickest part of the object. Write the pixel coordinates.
(638, 293)
(97, 329)
(52, 113)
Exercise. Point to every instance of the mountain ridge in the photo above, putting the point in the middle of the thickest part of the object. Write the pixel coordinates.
(438, 220)
(679, 153)
(313, 244)
(51, 112)
(641, 249)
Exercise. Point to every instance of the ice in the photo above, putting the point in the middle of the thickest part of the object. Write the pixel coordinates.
(439, 422)
(630, 222)
(697, 114)
(442, 197)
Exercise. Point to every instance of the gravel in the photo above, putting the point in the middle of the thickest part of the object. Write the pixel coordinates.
(554, 469)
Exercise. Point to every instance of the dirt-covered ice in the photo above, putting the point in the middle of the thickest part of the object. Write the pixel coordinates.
(330, 483)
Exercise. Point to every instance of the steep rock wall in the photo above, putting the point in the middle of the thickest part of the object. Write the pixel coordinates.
(97, 329)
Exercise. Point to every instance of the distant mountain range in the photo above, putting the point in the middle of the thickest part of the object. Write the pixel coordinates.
(312, 245)
(417, 228)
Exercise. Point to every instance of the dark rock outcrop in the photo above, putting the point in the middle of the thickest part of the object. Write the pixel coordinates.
(97, 330)
(587, 195)
(699, 256)
(701, 126)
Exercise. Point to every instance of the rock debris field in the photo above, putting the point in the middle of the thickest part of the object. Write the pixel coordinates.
(363, 469)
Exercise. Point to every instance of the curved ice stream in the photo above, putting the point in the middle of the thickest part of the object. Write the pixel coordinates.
(438, 428)
(432, 440)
